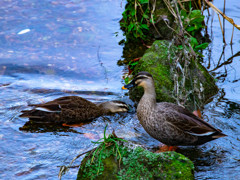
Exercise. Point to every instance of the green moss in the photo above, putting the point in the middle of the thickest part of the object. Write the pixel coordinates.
(176, 167)
(136, 163)
(154, 61)
(160, 61)
(209, 82)
(98, 162)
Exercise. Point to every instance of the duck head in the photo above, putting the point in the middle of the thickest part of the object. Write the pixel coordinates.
(114, 107)
(143, 79)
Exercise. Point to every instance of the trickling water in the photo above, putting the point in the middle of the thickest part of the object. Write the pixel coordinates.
(52, 48)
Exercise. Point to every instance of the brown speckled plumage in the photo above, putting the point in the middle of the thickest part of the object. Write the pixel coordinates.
(169, 123)
(72, 109)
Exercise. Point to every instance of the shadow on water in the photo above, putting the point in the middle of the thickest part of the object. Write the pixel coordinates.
(14, 70)
(202, 157)
(34, 127)
(41, 127)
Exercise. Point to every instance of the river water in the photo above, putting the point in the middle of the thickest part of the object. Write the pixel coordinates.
(52, 48)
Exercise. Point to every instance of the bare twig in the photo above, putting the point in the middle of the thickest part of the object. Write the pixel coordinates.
(181, 5)
(141, 9)
(64, 169)
(224, 16)
(170, 8)
(224, 21)
(199, 3)
(179, 18)
(228, 61)
(153, 9)
(170, 27)
(232, 36)
(221, 28)
(135, 7)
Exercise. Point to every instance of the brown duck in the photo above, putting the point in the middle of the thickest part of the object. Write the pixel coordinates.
(169, 123)
(72, 109)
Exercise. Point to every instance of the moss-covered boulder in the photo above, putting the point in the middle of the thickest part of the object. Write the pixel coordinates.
(121, 162)
(139, 29)
(176, 79)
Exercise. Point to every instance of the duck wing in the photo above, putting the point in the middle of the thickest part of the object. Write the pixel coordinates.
(67, 102)
(66, 109)
(186, 121)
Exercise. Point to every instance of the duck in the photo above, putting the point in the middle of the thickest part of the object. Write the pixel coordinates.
(72, 109)
(171, 124)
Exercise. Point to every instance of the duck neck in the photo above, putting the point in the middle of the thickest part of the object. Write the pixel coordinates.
(147, 104)
(149, 97)
(104, 107)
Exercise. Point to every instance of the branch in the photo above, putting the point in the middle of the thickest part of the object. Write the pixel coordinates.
(223, 15)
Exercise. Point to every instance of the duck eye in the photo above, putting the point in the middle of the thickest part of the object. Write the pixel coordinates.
(140, 79)
(137, 82)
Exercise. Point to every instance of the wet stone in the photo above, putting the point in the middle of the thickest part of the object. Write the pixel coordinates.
(177, 80)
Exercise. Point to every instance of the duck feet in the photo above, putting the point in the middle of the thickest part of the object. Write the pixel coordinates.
(72, 125)
(166, 148)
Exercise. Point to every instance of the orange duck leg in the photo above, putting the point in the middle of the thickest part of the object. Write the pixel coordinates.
(165, 148)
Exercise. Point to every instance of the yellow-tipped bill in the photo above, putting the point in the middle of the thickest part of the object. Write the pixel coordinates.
(129, 85)
(124, 87)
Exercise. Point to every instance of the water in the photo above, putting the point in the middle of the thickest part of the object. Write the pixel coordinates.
(221, 158)
(51, 49)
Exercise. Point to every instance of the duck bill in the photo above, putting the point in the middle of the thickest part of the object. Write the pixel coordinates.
(128, 86)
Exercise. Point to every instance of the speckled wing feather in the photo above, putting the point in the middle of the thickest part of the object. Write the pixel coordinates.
(63, 102)
(66, 109)
(80, 109)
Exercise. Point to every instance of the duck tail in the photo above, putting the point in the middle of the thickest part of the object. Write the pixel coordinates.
(32, 114)
(211, 137)
(218, 135)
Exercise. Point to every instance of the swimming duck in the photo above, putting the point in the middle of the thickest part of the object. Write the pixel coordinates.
(169, 123)
(72, 109)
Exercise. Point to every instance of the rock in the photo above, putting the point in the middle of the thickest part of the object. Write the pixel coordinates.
(123, 162)
(192, 87)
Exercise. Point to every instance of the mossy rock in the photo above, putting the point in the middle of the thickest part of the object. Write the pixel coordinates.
(160, 61)
(136, 163)
(134, 46)
(161, 15)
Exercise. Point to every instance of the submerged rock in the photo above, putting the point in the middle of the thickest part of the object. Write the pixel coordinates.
(177, 80)
(122, 162)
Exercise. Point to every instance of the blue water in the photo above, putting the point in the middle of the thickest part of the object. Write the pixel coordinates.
(52, 48)
(221, 158)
